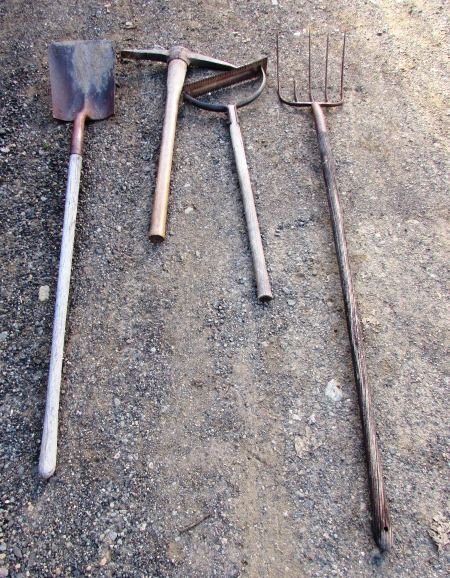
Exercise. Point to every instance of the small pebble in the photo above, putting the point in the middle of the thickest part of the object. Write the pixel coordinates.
(291, 302)
(3, 572)
(17, 552)
(333, 390)
(44, 292)
(312, 419)
(376, 557)
(188, 210)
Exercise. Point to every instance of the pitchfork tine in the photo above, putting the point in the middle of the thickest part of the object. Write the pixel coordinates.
(278, 65)
(326, 69)
(309, 66)
(342, 66)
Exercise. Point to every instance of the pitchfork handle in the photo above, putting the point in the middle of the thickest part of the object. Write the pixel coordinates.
(262, 277)
(381, 520)
(176, 74)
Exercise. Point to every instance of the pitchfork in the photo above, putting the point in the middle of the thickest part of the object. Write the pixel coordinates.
(380, 514)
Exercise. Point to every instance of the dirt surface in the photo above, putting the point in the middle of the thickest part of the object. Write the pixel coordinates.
(196, 436)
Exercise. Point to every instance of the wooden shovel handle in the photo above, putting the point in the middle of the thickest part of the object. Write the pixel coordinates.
(47, 460)
(381, 519)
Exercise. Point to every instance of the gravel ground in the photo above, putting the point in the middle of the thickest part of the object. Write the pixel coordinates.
(196, 436)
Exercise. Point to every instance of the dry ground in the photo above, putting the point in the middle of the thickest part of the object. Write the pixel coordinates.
(196, 439)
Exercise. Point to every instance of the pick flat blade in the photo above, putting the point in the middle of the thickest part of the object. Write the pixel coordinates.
(228, 78)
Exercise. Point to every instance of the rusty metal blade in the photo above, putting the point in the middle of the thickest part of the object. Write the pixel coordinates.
(228, 78)
(82, 78)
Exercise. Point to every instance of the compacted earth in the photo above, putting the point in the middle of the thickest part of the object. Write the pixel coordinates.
(203, 434)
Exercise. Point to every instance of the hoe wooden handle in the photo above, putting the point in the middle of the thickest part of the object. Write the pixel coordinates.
(380, 515)
(47, 460)
(259, 263)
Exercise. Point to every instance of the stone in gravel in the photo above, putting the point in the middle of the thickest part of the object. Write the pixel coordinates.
(44, 292)
(17, 552)
(333, 390)
(2, 547)
(376, 558)
(439, 531)
(3, 572)
(291, 302)
(300, 444)
(188, 210)
(174, 552)
(111, 535)
(3, 336)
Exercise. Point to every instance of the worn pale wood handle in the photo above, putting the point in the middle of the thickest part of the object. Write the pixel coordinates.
(47, 460)
(259, 263)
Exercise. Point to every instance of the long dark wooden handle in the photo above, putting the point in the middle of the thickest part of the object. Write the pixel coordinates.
(381, 520)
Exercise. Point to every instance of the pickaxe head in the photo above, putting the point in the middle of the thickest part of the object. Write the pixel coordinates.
(174, 53)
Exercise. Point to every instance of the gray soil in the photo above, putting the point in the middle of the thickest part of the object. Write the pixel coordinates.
(196, 436)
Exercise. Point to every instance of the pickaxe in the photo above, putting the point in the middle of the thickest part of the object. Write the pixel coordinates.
(178, 59)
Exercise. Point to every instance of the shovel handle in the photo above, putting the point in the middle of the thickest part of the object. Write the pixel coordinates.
(264, 290)
(47, 460)
(176, 73)
(380, 514)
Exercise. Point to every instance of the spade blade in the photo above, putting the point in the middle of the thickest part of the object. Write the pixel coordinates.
(82, 78)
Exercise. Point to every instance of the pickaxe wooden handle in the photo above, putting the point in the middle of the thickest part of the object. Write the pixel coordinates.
(178, 59)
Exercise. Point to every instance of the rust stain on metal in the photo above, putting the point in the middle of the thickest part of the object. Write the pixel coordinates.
(228, 78)
(82, 79)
